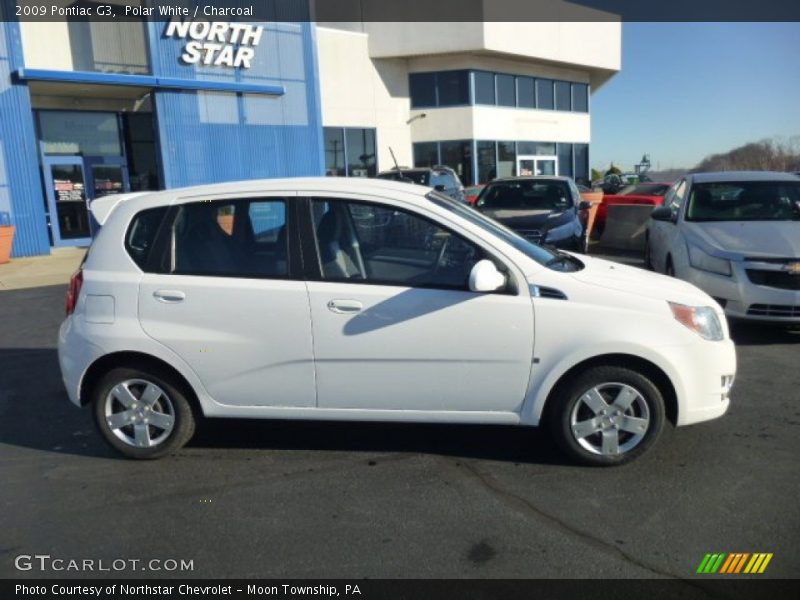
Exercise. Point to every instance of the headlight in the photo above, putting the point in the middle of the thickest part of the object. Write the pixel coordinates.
(703, 320)
(705, 262)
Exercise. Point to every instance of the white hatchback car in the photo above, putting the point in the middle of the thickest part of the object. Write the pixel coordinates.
(346, 299)
(735, 235)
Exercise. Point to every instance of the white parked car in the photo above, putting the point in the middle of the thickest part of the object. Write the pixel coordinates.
(735, 235)
(346, 299)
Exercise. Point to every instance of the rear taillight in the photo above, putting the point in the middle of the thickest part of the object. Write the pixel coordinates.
(75, 283)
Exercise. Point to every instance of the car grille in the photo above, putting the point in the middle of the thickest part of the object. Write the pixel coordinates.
(533, 235)
(773, 310)
(775, 279)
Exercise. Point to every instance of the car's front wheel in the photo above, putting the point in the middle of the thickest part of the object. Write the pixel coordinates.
(607, 416)
(142, 413)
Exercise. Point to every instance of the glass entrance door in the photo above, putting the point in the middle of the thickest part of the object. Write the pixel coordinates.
(67, 199)
(73, 182)
(537, 165)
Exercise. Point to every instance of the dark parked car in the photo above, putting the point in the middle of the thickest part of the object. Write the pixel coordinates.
(441, 178)
(544, 210)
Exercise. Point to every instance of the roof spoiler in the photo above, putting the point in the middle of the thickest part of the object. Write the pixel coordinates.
(102, 207)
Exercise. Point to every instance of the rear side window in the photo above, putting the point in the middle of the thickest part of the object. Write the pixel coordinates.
(236, 238)
(142, 234)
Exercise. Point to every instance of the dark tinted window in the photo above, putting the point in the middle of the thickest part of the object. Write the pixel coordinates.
(361, 157)
(580, 97)
(506, 94)
(423, 89)
(487, 161)
(484, 87)
(526, 93)
(453, 88)
(458, 156)
(426, 154)
(581, 161)
(506, 159)
(539, 148)
(565, 159)
(544, 93)
(563, 96)
(384, 245)
(334, 151)
(142, 234)
(238, 238)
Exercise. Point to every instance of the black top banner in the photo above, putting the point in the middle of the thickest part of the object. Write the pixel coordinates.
(359, 11)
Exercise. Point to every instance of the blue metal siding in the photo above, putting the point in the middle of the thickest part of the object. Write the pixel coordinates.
(207, 136)
(20, 183)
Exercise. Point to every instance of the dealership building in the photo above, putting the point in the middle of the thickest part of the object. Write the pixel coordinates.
(91, 108)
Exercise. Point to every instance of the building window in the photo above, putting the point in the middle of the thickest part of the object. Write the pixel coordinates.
(526, 92)
(506, 94)
(448, 88)
(565, 159)
(458, 156)
(423, 90)
(580, 97)
(487, 161)
(334, 152)
(452, 88)
(350, 152)
(484, 87)
(80, 133)
(581, 161)
(426, 154)
(536, 148)
(544, 94)
(563, 93)
(506, 159)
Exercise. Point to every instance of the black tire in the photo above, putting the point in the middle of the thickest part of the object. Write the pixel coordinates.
(669, 270)
(172, 403)
(568, 399)
(648, 257)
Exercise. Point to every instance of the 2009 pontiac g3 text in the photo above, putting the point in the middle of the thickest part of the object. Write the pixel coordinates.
(46, 562)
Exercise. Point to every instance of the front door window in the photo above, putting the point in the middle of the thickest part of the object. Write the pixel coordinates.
(69, 210)
(537, 165)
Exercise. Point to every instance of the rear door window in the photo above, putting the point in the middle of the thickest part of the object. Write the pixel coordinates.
(231, 238)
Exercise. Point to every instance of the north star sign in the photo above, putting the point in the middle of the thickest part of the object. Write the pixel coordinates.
(219, 44)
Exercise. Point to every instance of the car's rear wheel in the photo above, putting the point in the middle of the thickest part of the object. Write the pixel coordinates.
(607, 416)
(142, 413)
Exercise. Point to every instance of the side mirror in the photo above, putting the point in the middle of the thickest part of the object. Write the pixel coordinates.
(584, 205)
(484, 277)
(439, 188)
(662, 213)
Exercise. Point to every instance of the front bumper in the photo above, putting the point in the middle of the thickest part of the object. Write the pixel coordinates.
(743, 299)
(706, 371)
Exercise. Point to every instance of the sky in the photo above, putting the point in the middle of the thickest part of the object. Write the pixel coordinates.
(687, 90)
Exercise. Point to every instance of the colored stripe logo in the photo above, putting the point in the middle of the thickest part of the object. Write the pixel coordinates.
(734, 563)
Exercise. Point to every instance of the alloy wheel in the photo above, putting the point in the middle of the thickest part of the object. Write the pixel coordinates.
(610, 419)
(140, 413)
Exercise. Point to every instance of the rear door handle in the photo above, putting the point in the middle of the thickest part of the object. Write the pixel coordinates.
(169, 296)
(345, 307)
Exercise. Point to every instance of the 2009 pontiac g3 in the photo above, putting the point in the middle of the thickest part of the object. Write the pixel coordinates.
(374, 300)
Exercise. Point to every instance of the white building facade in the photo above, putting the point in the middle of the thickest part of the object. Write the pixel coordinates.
(487, 99)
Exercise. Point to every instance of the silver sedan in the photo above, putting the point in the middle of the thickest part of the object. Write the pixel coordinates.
(736, 236)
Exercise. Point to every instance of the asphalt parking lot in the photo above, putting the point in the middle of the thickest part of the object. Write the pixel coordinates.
(274, 499)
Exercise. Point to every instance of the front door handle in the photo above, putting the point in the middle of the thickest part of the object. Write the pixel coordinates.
(345, 307)
(169, 296)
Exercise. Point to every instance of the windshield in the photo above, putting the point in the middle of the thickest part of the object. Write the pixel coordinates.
(538, 253)
(745, 201)
(420, 177)
(527, 194)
